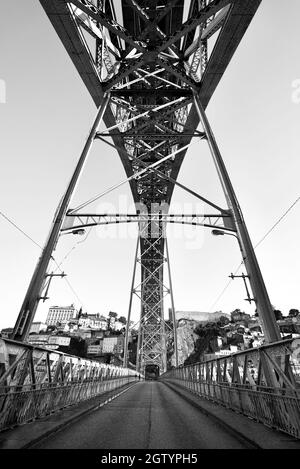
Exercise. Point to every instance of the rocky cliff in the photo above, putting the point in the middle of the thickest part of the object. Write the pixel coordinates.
(186, 339)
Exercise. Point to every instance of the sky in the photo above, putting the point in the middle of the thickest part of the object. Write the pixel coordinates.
(45, 116)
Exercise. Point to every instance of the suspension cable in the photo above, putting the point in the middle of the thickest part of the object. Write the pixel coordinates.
(19, 229)
(38, 245)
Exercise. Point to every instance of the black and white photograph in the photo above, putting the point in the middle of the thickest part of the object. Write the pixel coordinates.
(149, 230)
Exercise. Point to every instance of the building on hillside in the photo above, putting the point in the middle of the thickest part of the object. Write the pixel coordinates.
(113, 344)
(92, 321)
(7, 332)
(97, 334)
(38, 339)
(241, 317)
(37, 327)
(61, 341)
(49, 341)
(61, 314)
(119, 349)
(289, 325)
(117, 325)
(109, 343)
(84, 334)
(71, 326)
(95, 349)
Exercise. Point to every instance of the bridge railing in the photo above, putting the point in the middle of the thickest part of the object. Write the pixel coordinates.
(261, 383)
(35, 382)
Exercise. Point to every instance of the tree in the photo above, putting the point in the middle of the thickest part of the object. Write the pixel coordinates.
(237, 310)
(112, 314)
(223, 321)
(293, 313)
(207, 341)
(278, 314)
(233, 313)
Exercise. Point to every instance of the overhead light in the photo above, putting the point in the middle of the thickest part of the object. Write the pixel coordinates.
(79, 232)
(217, 233)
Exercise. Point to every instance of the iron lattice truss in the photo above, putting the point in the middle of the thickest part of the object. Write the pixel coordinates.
(35, 381)
(151, 57)
(154, 332)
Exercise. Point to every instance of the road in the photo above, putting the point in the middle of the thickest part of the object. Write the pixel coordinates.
(149, 415)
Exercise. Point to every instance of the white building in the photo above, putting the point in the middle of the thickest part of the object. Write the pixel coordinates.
(61, 314)
(38, 339)
(94, 349)
(49, 341)
(59, 340)
(93, 321)
(113, 344)
(6, 333)
(117, 326)
(37, 327)
(109, 343)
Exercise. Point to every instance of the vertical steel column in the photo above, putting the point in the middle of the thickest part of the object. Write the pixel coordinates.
(163, 336)
(172, 305)
(125, 359)
(31, 300)
(264, 307)
(138, 354)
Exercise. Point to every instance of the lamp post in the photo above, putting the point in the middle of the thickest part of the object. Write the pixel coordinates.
(222, 233)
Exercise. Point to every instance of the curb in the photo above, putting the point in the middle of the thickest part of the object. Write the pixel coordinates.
(237, 434)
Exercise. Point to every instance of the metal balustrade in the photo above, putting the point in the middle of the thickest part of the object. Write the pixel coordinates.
(261, 383)
(35, 382)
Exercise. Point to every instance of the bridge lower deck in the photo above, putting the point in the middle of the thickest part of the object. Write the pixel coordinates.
(153, 415)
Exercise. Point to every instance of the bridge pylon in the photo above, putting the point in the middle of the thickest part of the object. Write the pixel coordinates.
(156, 335)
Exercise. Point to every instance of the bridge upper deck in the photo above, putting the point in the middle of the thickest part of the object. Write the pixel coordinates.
(154, 55)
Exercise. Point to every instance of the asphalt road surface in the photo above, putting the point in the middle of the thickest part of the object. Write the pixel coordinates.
(150, 415)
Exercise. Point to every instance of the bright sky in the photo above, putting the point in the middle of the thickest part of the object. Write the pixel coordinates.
(255, 115)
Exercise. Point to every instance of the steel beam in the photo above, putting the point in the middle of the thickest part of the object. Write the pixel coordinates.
(259, 290)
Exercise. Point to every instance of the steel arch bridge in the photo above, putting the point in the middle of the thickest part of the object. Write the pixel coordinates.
(151, 73)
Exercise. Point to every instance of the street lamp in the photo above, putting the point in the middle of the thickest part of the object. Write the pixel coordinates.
(232, 276)
(222, 233)
(79, 231)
